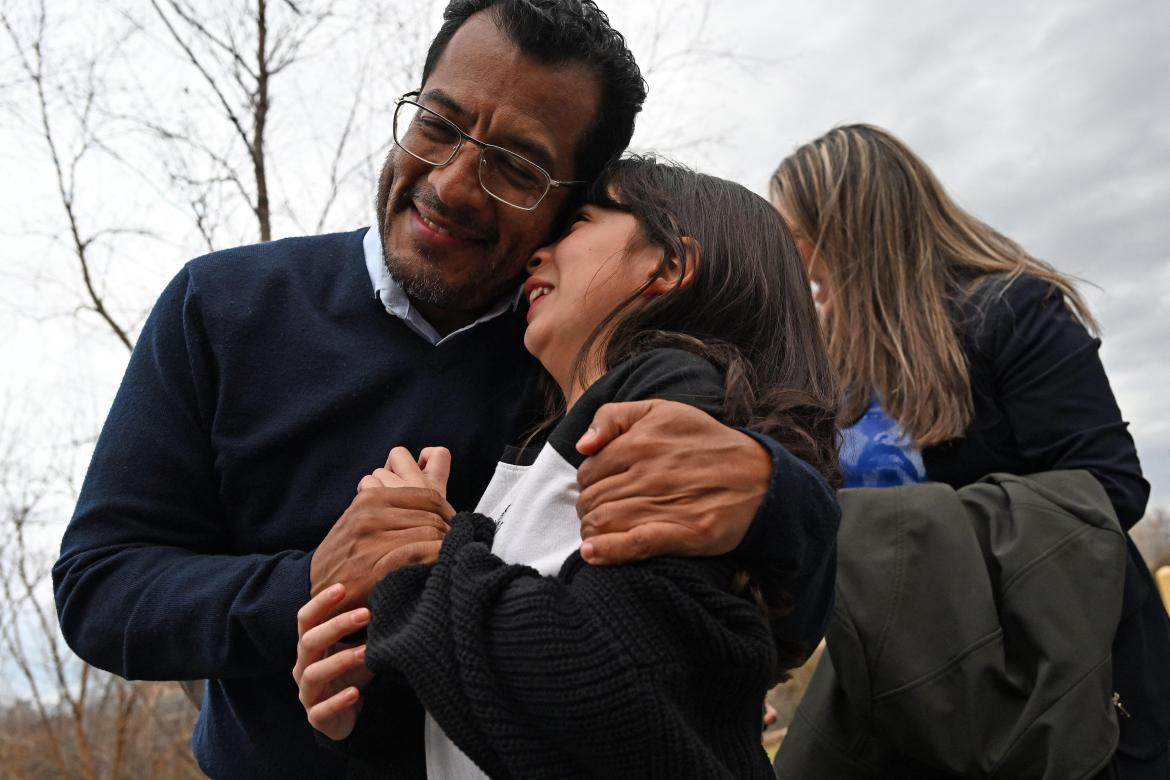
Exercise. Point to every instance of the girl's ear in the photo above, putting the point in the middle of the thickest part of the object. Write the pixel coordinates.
(677, 274)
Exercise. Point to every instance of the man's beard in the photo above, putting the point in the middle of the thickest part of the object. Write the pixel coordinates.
(424, 284)
(423, 281)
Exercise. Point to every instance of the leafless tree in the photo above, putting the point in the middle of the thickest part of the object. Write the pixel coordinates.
(222, 118)
(240, 77)
(69, 97)
(680, 45)
(240, 65)
(73, 720)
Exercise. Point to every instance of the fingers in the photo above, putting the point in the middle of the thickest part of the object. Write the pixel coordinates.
(431, 470)
(643, 450)
(421, 533)
(611, 421)
(432, 458)
(317, 632)
(650, 540)
(315, 643)
(436, 465)
(657, 485)
(408, 554)
(404, 507)
(369, 481)
(387, 478)
(674, 481)
(364, 532)
(319, 608)
(316, 679)
(334, 717)
(329, 691)
(402, 463)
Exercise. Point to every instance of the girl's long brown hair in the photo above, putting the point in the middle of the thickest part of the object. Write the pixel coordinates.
(900, 257)
(747, 308)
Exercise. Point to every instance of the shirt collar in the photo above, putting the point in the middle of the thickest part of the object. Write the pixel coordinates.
(397, 302)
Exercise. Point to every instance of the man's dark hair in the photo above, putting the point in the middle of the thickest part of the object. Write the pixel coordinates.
(566, 31)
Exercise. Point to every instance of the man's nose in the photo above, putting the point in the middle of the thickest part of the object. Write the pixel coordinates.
(457, 183)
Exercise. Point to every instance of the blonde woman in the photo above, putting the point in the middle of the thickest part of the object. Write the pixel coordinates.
(963, 355)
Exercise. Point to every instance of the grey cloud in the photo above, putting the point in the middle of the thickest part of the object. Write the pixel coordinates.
(1050, 121)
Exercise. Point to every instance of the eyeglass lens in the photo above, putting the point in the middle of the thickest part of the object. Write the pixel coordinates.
(435, 139)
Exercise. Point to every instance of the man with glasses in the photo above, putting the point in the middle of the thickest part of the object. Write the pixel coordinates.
(508, 177)
(270, 378)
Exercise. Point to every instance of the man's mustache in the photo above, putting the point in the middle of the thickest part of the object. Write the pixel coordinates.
(427, 197)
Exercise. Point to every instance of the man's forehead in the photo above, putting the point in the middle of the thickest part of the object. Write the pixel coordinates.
(483, 78)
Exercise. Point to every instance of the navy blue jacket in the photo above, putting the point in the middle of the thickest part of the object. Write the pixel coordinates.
(266, 382)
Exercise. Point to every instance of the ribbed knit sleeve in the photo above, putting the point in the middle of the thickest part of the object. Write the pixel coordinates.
(645, 670)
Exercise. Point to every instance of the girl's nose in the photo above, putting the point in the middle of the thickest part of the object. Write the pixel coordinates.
(537, 259)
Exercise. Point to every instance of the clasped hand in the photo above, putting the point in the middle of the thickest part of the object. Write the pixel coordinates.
(662, 478)
(398, 517)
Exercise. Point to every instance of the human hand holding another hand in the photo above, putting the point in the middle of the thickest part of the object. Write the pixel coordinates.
(398, 517)
(329, 675)
(664, 478)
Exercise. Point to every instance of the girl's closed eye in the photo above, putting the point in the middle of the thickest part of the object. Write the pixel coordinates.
(580, 215)
(588, 274)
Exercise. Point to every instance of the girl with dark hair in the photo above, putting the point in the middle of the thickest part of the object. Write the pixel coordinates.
(960, 355)
(667, 284)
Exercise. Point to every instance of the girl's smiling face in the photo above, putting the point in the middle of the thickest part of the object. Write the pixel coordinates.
(576, 282)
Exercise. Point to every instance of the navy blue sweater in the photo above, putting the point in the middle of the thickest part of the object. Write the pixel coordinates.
(266, 382)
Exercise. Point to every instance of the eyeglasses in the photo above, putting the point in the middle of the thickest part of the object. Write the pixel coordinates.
(435, 140)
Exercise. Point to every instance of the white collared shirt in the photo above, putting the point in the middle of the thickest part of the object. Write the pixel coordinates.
(397, 302)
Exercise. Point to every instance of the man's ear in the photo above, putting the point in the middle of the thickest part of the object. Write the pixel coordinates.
(676, 273)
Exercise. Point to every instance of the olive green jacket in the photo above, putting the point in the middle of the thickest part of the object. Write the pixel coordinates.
(970, 637)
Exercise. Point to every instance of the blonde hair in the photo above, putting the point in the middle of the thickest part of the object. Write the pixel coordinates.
(900, 257)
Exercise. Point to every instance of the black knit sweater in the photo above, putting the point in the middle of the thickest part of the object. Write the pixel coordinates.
(652, 669)
(645, 670)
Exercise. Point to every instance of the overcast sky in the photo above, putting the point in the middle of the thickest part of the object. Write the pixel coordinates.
(1051, 121)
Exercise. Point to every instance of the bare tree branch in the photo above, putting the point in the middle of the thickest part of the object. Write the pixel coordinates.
(193, 58)
(228, 47)
(335, 177)
(260, 107)
(33, 63)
